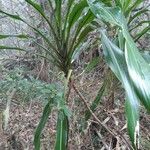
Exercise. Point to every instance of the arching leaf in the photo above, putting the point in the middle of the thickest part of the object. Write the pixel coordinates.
(21, 36)
(41, 125)
(11, 48)
(75, 14)
(96, 101)
(116, 61)
(62, 131)
(58, 4)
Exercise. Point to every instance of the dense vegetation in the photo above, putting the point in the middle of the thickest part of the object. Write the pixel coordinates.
(66, 30)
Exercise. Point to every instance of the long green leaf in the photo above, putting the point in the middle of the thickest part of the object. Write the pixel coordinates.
(132, 115)
(116, 61)
(137, 14)
(80, 39)
(41, 125)
(140, 24)
(69, 6)
(121, 40)
(83, 35)
(87, 19)
(75, 14)
(135, 4)
(118, 3)
(62, 131)
(11, 48)
(112, 15)
(39, 9)
(92, 64)
(96, 101)
(126, 4)
(22, 36)
(17, 17)
(139, 71)
(144, 31)
(138, 68)
(58, 4)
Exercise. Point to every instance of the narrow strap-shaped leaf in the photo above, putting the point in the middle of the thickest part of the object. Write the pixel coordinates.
(121, 40)
(83, 35)
(144, 31)
(22, 36)
(140, 24)
(135, 4)
(40, 10)
(137, 14)
(17, 17)
(11, 48)
(41, 125)
(69, 5)
(132, 115)
(118, 3)
(116, 60)
(58, 4)
(109, 14)
(87, 19)
(126, 4)
(92, 64)
(96, 101)
(75, 14)
(139, 71)
(80, 39)
(62, 131)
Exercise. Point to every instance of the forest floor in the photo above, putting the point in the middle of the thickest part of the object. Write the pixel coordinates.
(24, 119)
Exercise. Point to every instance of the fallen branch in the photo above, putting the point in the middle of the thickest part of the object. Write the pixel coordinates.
(95, 117)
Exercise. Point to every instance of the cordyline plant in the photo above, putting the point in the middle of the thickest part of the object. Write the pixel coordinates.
(68, 31)
(124, 58)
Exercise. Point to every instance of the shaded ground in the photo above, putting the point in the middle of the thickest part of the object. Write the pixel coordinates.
(24, 119)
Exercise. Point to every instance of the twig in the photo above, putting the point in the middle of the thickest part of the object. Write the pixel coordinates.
(102, 140)
(95, 117)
